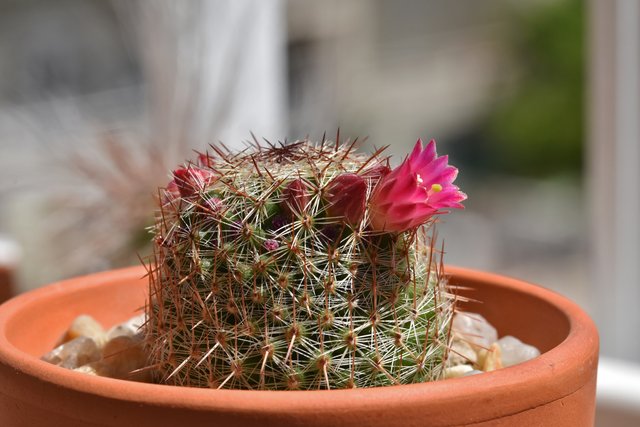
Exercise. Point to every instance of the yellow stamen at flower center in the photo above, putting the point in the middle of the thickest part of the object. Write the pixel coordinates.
(436, 188)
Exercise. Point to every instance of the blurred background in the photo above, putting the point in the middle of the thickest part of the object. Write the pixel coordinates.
(536, 101)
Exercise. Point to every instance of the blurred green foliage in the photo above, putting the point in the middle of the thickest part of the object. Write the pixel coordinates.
(537, 129)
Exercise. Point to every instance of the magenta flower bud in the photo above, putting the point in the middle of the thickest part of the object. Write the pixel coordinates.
(375, 173)
(271, 245)
(295, 197)
(415, 191)
(192, 180)
(346, 196)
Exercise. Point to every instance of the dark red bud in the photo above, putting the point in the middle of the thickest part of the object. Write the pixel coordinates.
(376, 172)
(171, 193)
(205, 160)
(346, 196)
(191, 180)
(295, 197)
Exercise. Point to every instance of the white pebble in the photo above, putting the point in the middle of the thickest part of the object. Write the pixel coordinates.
(75, 353)
(491, 358)
(87, 369)
(129, 328)
(515, 351)
(85, 326)
(474, 329)
(457, 371)
(461, 353)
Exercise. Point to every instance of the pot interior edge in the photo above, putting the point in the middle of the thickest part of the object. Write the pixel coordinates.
(33, 328)
(36, 326)
(513, 310)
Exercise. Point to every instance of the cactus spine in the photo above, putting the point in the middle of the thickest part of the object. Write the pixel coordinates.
(257, 283)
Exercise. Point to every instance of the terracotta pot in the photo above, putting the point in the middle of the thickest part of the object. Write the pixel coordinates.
(555, 389)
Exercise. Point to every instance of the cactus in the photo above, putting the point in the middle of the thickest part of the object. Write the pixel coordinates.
(269, 272)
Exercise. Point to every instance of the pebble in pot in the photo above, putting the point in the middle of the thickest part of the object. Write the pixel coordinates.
(118, 353)
(515, 351)
(475, 347)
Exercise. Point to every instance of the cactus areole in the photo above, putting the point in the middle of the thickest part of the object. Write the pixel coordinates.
(301, 266)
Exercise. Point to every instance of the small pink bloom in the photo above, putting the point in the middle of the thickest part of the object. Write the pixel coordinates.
(295, 197)
(191, 180)
(346, 195)
(415, 191)
(271, 245)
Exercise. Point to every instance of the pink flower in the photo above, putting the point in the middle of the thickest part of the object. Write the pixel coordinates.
(191, 180)
(346, 196)
(415, 191)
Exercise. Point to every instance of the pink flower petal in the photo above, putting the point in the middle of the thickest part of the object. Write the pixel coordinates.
(429, 153)
(415, 191)
(432, 171)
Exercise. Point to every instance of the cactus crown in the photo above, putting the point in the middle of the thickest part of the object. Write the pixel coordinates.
(267, 274)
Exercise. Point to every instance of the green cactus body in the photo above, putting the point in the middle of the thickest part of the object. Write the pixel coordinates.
(255, 286)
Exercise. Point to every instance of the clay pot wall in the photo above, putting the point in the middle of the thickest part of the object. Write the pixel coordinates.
(555, 389)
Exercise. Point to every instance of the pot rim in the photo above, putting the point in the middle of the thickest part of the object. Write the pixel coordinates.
(555, 368)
